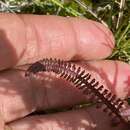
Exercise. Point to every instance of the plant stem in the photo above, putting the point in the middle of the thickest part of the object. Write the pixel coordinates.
(123, 34)
(6, 6)
(91, 12)
(120, 15)
(69, 9)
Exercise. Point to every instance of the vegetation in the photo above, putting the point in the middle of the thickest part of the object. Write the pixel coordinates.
(112, 13)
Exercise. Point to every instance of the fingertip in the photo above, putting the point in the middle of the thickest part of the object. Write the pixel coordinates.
(114, 75)
(107, 32)
(95, 41)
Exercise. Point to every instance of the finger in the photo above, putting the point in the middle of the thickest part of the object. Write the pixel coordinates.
(19, 97)
(114, 75)
(27, 38)
(82, 119)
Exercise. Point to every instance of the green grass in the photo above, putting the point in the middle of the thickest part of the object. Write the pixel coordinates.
(112, 13)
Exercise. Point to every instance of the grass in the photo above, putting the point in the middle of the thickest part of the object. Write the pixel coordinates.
(114, 14)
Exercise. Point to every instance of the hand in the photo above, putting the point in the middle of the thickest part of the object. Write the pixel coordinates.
(25, 39)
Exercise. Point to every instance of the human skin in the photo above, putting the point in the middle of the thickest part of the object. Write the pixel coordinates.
(25, 39)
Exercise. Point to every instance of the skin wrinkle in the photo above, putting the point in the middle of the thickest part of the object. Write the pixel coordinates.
(74, 35)
(63, 36)
(31, 26)
(47, 44)
(37, 39)
(25, 32)
(34, 29)
(76, 56)
(114, 84)
(30, 57)
(51, 40)
(58, 45)
(44, 99)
